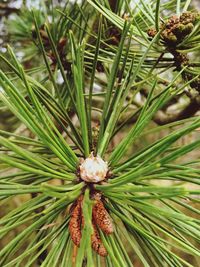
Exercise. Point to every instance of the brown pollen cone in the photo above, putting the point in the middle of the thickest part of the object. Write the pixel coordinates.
(97, 244)
(76, 222)
(102, 218)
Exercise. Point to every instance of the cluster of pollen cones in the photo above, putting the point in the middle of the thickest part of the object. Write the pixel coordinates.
(100, 218)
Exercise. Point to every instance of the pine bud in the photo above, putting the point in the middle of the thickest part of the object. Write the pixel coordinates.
(93, 169)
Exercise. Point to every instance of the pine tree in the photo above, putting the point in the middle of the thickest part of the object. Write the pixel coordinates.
(99, 136)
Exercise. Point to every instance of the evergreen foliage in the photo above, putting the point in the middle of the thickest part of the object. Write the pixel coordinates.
(101, 77)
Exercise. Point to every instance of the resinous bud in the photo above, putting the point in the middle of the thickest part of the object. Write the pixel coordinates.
(93, 169)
